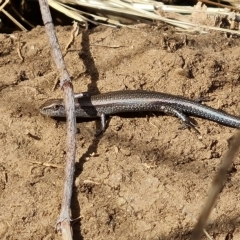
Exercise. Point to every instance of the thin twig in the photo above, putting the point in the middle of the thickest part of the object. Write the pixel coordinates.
(46, 164)
(63, 223)
(217, 185)
(19, 48)
(22, 18)
(74, 33)
(56, 82)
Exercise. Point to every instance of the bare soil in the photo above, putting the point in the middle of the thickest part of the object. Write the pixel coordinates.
(145, 177)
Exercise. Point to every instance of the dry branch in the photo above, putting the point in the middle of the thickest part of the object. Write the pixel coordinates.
(63, 222)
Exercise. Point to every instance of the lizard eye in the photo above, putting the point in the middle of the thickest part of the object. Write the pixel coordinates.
(56, 107)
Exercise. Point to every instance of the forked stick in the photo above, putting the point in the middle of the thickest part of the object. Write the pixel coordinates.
(63, 223)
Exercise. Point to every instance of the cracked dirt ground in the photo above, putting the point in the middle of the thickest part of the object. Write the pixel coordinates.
(145, 178)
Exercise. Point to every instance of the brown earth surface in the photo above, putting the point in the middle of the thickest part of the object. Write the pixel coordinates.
(144, 178)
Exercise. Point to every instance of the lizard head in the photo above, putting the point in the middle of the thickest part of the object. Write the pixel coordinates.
(53, 108)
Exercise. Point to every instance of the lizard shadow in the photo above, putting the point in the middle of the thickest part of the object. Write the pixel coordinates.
(124, 115)
(86, 57)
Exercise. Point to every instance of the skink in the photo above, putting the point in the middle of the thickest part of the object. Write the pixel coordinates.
(139, 101)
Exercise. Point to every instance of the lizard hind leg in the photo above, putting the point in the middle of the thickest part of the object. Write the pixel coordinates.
(187, 122)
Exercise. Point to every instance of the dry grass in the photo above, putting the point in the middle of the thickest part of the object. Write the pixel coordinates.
(117, 13)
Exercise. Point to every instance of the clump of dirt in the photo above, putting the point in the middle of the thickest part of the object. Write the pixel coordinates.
(144, 178)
